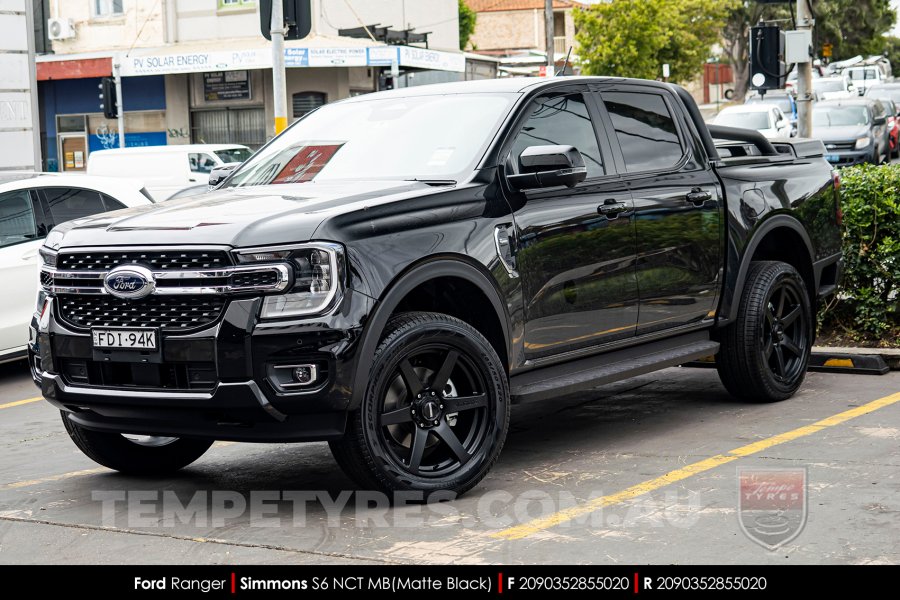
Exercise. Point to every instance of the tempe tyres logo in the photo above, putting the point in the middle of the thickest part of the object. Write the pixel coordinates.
(772, 504)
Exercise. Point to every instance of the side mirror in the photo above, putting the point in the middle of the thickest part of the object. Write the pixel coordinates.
(220, 173)
(548, 166)
(880, 120)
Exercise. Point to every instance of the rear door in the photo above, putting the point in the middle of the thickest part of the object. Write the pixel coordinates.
(677, 204)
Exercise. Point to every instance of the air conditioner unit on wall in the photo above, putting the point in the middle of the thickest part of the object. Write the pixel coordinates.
(60, 29)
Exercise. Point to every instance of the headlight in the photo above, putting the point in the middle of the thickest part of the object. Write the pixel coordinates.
(862, 142)
(48, 257)
(318, 271)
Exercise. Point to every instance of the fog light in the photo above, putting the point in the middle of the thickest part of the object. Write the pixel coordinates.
(304, 374)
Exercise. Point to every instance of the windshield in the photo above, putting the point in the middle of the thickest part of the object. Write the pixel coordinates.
(868, 73)
(232, 155)
(839, 116)
(883, 93)
(782, 102)
(747, 120)
(829, 86)
(434, 138)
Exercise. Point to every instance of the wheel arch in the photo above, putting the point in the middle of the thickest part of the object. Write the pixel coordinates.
(402, 292)
(783, 238)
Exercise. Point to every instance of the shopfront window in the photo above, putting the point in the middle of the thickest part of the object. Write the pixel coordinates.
(108, 8)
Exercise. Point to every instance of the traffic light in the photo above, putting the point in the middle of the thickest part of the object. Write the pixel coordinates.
(767, 68)
(297, 18)
(109, 104)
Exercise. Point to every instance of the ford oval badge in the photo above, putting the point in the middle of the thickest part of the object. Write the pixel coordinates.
(129, 281)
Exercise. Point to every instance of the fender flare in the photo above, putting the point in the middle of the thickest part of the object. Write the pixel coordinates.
(403, 285)
(758, 235)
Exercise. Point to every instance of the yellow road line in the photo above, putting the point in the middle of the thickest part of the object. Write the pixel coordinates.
(21, 402)
(541, 523)
(50, 478)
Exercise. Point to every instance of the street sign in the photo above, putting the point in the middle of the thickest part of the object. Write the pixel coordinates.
(297, 18)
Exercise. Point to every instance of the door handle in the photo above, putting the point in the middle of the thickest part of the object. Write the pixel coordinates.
(192, 179)
(611, 209)
(698, 197)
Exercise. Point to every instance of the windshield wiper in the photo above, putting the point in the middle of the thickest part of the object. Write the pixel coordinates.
(435, 182)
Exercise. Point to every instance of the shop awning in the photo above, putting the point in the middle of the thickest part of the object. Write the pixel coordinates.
(255, 53)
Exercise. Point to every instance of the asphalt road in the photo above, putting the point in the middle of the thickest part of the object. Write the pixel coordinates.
(644, 471)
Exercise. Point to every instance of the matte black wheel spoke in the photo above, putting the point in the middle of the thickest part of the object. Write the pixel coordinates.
(443, 376)
(413, 383)
(789, 345)
(420, 436)
(779, 355)
(446, 434)
(461, 403)
(770, 314)
(770, 348)
(790, 317)
(396, 417)
(781, 301)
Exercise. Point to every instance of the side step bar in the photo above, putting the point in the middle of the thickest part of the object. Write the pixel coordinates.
(558, 380)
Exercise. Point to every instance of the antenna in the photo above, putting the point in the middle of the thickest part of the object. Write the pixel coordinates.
(565, 63)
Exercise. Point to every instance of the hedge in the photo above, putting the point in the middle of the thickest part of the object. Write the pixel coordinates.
(865, 306)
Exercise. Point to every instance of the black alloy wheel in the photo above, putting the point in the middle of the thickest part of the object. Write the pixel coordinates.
(764, 353)
(436, 410)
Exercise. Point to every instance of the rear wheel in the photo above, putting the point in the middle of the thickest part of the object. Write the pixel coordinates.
(436, 411)
(765, 352)
(135, 454)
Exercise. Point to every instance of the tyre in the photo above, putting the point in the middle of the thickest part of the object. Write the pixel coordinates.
(435, 412)
(135, 454)
(765, 352)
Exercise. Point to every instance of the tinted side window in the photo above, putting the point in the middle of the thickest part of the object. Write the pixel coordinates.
(645, 130)
(67, 203)
(560, 120)
(201, 162)
(111, 203)
(16, 218)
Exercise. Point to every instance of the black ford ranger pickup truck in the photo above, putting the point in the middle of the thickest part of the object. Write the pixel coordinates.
(395, 270)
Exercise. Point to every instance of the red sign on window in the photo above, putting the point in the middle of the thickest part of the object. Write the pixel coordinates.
(306, 163)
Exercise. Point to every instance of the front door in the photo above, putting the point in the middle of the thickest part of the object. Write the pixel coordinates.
(677, 210)
(575, 247)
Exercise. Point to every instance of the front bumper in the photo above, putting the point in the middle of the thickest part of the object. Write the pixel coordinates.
(242, 402)
(846, 158)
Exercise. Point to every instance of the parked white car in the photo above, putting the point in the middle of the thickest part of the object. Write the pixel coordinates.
(166, 169)
(31, 204)
(765, 118)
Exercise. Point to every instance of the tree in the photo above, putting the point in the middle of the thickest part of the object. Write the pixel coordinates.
(634, 39)
(851, 26)
(467, 18)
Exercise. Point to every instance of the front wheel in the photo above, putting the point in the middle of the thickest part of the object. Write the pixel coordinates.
(135, 454)
(765, 352)
(435, 413)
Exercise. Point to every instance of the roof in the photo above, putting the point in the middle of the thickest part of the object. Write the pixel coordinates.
(855, 101)
(504, 5)
(108, 185)
(169, 149)
(747, 108)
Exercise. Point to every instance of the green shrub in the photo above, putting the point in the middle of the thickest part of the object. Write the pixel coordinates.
(866, 304)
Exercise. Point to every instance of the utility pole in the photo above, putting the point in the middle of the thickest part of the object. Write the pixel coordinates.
(278, 77)
(805, 21)
(120, 101)
(548, 31)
